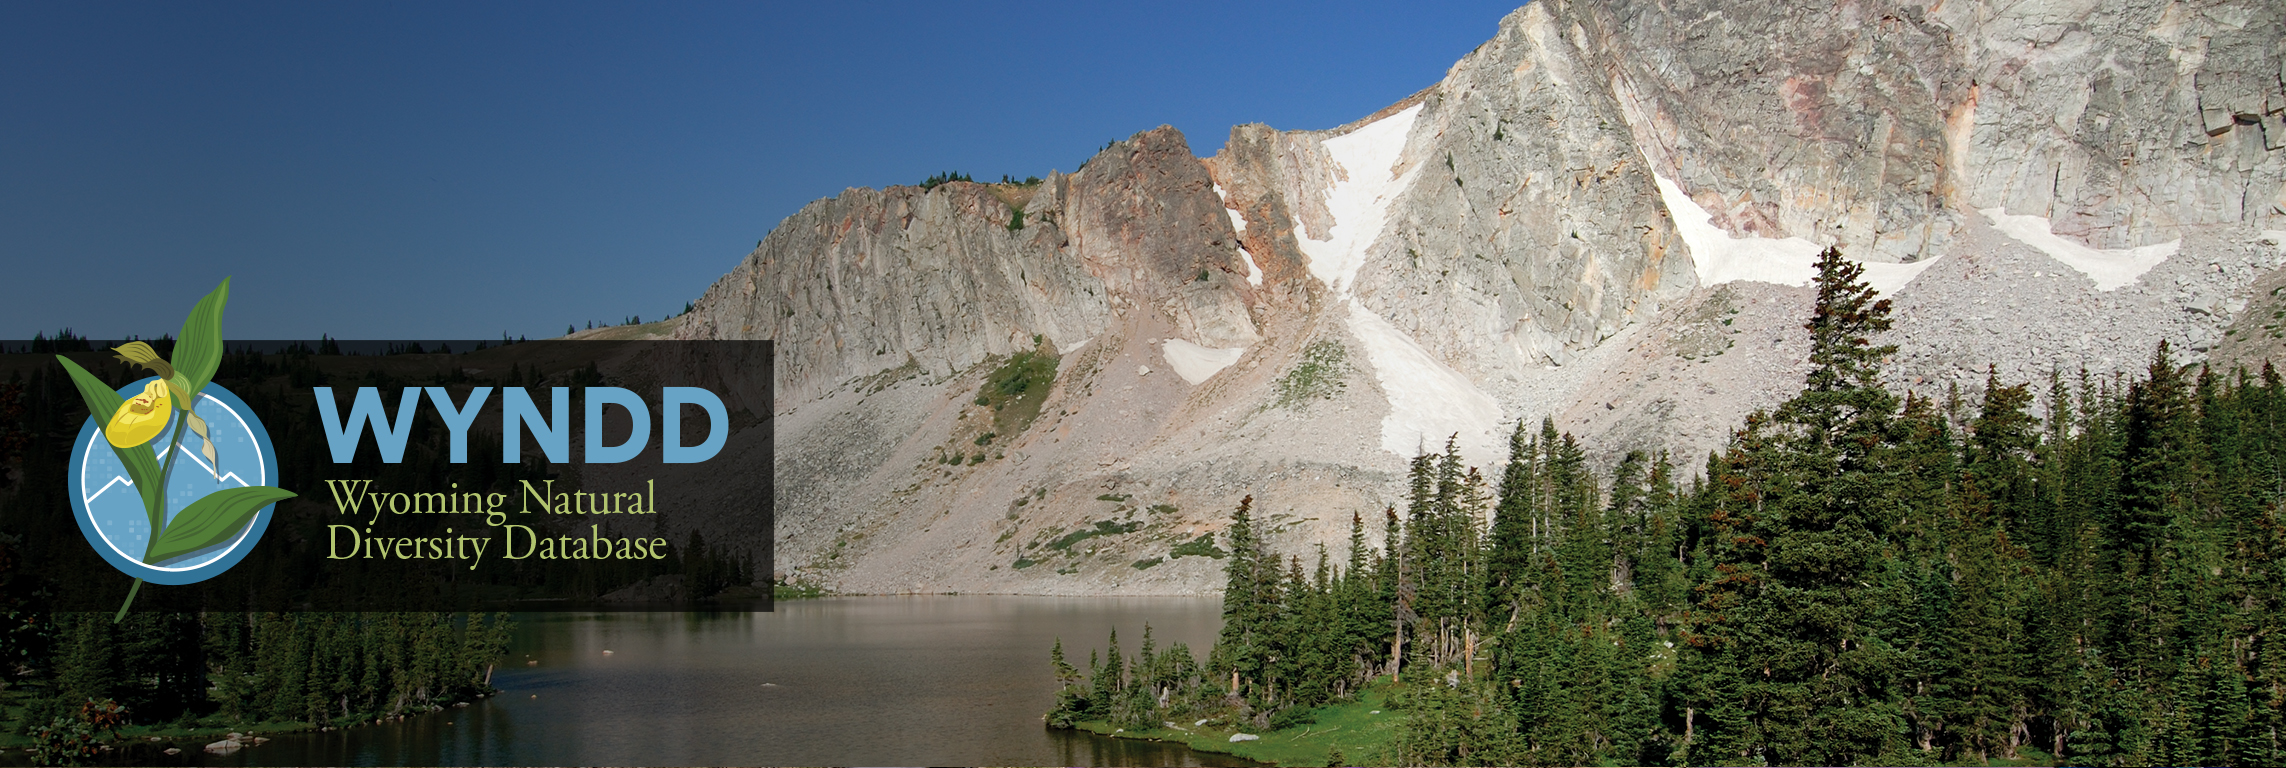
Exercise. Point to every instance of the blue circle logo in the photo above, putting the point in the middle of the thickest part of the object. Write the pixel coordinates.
(195, 540)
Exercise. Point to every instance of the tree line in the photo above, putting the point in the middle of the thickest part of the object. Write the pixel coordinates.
(1856, 577)
(324, 669)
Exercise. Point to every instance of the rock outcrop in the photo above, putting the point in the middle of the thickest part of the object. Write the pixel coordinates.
(875, 279)
(1602, 215)
(1884, 126)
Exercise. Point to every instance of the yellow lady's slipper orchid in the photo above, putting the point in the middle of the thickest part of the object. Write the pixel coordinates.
(140, 418)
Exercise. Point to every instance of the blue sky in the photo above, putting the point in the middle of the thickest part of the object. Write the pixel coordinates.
(460, 170)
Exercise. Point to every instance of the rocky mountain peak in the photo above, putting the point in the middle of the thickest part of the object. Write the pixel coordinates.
(1604, 215)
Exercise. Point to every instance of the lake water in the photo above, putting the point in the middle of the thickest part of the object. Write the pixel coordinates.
(928, 680)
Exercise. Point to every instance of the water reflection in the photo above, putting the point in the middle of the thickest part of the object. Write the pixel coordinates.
(942, 680)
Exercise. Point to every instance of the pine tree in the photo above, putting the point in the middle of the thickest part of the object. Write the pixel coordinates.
(1837, 497)
(1394, 587)
(1509, 552)
(1855, 579)
(90, 659)
(1249, 604)
(1071, 698)
(2159, 456)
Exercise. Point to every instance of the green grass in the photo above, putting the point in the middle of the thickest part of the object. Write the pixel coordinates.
(1354, 728)
(1320, 375)
(1016, 389)
(1350, 727)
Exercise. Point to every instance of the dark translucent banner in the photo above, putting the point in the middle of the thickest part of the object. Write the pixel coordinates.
(426, 476)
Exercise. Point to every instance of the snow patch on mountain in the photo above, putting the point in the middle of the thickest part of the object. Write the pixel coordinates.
(1722, 258)
(1890, 278)
(1360, 196)
(2109, 268)
(1428, 402)
(1237, 220)
(1195, 363)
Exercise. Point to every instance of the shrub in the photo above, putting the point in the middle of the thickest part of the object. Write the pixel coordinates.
(1102, 528)
(944, 178)
(1203, 546)
(1017, 389)
(1320, 374)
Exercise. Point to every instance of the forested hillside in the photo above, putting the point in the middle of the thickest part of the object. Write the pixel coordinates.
(1856, 578)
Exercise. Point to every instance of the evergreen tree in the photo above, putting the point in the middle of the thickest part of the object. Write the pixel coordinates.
(2099, 573)
(1508, 554)
(1249, 605)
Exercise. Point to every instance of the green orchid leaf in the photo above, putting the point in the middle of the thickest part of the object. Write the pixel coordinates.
(212, 520)
(139, 353)
(179, 388)
(142, 465)
(198, 351)
(102, 400)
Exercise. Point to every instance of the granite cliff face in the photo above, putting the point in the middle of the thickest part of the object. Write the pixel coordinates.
(1603, 215)
(877, 279)
(1885, 126)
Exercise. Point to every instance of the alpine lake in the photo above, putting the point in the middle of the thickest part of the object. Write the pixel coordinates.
(910, 680)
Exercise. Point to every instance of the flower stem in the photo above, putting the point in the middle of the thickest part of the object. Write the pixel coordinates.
(165, 474)
(167, 471)
(130, 601)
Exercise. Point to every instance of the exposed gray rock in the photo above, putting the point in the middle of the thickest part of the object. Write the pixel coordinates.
(873, 279)
(1525, 248)
(1533, 230)
(1143, 216)
(1882, 125)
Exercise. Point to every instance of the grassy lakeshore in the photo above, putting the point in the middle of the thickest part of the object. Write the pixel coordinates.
(1359, 729)
(1362, 729)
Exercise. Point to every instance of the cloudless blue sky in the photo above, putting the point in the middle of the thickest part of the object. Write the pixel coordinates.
(459, 170)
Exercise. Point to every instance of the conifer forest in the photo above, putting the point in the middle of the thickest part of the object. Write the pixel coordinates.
(2085, 569)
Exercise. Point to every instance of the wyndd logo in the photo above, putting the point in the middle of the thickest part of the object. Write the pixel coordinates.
(157, 506)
